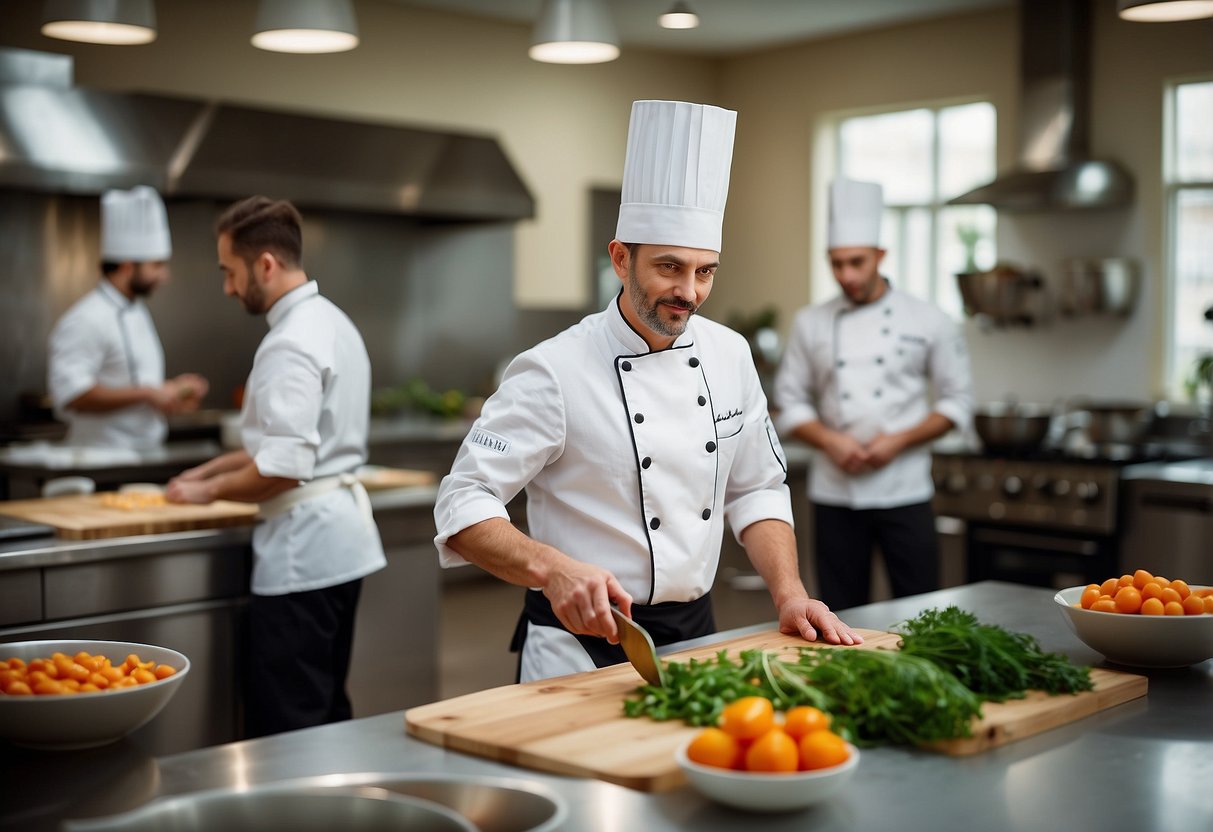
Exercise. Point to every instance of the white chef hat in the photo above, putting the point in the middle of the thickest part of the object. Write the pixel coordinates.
(855, 212)
(676, 174)
(134, 226)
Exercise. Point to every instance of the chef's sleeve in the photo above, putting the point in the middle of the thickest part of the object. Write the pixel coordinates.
(288, 411)
(520, 430)
(950, 375)
(757, 488)
(794, 379)
(77, 350)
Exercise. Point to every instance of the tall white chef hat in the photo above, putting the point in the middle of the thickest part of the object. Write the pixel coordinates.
(676, 174)
(855, 212)
(134, 226)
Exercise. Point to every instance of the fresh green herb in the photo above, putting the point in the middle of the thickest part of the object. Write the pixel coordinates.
(993, 662)
(873, 695)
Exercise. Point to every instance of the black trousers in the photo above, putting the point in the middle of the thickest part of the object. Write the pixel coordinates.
(844, 538)
(299, 658)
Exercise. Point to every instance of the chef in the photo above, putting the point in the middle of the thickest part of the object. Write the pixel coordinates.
(106, 365)
(304, 429)
(636, 433)
(855, 383)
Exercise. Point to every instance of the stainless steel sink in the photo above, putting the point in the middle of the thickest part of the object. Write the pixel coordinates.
(365, 800)
(280, 807)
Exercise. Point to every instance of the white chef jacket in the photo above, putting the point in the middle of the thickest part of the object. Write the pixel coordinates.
(105, 339)
(631, 459)
(868, 369)
(306, 413)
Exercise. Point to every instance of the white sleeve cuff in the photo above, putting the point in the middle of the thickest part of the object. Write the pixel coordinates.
(768, 504)
(459, 511)
(288, 457)
(793, 417)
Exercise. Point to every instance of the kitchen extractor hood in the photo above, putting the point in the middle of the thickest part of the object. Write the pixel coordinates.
(66, 139)
(1055, 170)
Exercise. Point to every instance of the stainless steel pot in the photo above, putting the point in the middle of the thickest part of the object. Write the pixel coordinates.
(1099, 285)
(1012, 428)
(1121, 423)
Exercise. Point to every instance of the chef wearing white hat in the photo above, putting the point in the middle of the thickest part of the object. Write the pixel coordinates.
(106, 365)
(636, 434)
(855, 383)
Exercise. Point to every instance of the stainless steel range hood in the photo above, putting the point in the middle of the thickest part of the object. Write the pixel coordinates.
(62, 139)
(1055, 169)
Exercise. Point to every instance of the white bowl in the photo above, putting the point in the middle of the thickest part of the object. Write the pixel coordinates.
(767, 792)
(85, 720)
(1139, 640)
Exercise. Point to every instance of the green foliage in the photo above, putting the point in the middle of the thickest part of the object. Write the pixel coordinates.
(417, 395)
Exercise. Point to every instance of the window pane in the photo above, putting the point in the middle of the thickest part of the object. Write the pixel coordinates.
(892, 234)
(1193, 280)
(966, 148)
(893, 149)
(916, 256)
(1194, 132)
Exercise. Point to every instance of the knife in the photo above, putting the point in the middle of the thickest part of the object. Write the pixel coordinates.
(638, 647)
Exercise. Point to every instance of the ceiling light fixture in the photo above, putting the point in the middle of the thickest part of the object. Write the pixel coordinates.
(305, 26)
(574, 32)
(679, 16)
(112, 22)
(1164, 11)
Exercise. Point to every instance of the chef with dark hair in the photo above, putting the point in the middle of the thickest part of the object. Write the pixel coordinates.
(636, 433)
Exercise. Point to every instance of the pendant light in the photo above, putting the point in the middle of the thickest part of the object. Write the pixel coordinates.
(1164, 11)
(305, 26)
(679, 16)
(574, 32)
(113, 22)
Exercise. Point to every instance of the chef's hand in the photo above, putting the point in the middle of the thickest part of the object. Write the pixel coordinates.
(581, 596)
(884, 448)
(808, 617)
(182, 490)
(191, 390)
(847, 452)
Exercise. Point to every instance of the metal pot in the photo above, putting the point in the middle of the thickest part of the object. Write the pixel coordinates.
(1012, 428)
(1099, 285)
(1121, 423)
(1003, 293)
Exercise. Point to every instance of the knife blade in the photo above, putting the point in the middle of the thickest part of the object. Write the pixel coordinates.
(638, 647)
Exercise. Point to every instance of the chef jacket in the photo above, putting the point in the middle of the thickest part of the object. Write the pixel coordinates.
(631, 459)
(866, 369)
(106, 339)
(305, 415)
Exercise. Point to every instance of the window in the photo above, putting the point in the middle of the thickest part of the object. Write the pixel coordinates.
(923, 157)
(1189, 184)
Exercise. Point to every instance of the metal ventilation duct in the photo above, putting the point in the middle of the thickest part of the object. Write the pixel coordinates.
(71, 140)
(1055, 169)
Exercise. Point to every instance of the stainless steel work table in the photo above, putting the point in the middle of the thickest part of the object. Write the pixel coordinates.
(1145, 765)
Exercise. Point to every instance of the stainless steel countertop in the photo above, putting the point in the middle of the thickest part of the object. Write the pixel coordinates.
(1144, 765)
(53, 551)
(1192, 471)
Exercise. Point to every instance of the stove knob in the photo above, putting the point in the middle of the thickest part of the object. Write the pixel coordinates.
(1012, 486)
(955, 483)
(1088, 492)
(1061, 488)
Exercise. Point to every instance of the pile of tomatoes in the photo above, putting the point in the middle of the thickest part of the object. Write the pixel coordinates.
(750, 738)
(1144, 594)
(82, 673)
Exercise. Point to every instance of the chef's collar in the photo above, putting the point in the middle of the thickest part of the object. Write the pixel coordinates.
(290, 300)
(632, 341)
(851, 306)
(114, 296)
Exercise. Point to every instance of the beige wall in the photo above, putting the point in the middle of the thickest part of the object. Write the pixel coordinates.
(564, 127)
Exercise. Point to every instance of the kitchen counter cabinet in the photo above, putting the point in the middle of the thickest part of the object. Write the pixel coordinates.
(1143, 765)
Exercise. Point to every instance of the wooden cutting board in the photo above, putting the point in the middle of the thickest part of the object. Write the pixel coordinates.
(574, 725)
(85, 517)
(375, 478)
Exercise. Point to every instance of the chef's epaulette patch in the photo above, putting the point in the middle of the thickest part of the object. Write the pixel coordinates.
(489, 440)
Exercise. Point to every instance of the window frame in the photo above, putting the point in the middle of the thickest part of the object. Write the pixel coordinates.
(1172, 186)
(827, 160)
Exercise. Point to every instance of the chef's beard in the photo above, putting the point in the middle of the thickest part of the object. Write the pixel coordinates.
(650, 313)
(253, 298)
(140, 285)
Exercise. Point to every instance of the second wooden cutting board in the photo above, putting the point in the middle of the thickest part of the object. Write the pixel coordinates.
(87, 517)
(575, 725)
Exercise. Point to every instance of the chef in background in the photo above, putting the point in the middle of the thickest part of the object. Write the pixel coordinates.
(304, 425)
(635, 434)
(106, 365)
(856, 383)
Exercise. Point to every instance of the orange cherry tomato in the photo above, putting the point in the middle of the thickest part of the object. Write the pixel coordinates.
(822, 749)
(1089, 596)
(1193, 605)
(773, 751)
(1151, 606)
(713, 747)
(748, 718)
(1128, 600)
(1141, 577)
(804, 719)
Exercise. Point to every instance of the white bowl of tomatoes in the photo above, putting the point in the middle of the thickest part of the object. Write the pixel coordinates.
(1130, 636)
(759, 762)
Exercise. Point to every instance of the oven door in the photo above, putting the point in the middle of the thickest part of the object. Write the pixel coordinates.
(1041, 558)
